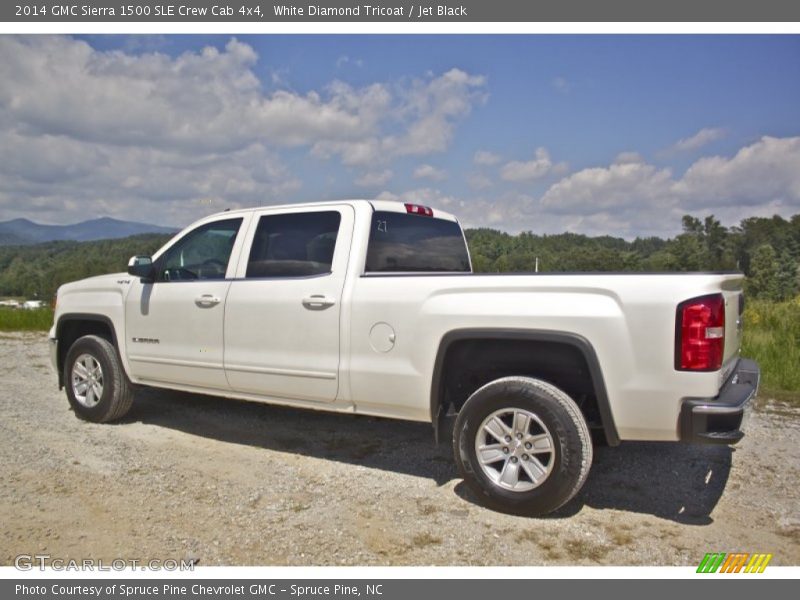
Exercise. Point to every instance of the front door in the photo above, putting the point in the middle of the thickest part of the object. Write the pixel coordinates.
(283, 309)
(174, 325)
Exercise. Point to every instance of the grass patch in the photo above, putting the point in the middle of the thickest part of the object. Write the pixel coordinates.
(425, 509)
(425, 539)
(583, 550)
(621, 538)
(19, 319)
(550, 549)
(792, 533)
(772, 338)
(296, 506)
(528, 535)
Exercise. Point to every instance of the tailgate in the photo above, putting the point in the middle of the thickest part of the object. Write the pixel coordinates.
(734, 307)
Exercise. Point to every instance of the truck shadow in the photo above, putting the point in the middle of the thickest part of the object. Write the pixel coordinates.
(386, 444)
(679, 482)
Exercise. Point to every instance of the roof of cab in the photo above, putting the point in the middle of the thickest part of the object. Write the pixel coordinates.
(382, 205)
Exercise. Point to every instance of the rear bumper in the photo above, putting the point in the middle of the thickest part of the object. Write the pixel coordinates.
(719, 420)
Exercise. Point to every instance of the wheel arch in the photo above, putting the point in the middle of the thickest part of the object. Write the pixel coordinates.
(579, 344)
(71, 326)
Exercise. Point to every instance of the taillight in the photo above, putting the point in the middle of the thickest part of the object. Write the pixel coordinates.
(418, 209)
(700, 333)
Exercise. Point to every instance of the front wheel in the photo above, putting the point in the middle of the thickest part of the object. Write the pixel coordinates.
(97, 387)
(522, 445)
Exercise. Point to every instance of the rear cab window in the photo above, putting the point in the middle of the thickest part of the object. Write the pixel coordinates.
(411, 243)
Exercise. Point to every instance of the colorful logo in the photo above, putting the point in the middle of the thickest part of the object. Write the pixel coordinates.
(737, 562)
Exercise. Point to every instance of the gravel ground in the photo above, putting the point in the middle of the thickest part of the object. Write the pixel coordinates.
(237, 483)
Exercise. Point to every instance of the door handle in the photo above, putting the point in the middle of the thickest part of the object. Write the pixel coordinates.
(318, 302)
(207, 300)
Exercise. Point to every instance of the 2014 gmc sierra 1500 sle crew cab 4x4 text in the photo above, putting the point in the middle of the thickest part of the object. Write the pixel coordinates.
(371, 307)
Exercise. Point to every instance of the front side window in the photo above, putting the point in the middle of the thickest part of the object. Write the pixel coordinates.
(294, 244)
(401, 242)
(201, 254)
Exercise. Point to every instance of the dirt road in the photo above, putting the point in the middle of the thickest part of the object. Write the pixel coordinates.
(239, 483)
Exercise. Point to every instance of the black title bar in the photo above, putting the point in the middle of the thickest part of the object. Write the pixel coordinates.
(466, 11)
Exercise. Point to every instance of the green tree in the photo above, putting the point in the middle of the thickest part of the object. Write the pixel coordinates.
(692, 225)
(688, 253)
(502, 264)
(764, 267)
(786, 278)
(480, 264)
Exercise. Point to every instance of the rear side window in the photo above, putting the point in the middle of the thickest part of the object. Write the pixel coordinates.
(401, 242)
(294, 245)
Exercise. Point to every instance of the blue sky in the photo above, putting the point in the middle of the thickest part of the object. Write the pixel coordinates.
(601, 134)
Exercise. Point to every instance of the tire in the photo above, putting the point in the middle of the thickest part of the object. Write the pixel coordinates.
(548, 458)
(96, 395)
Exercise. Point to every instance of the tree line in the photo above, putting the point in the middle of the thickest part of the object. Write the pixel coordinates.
(767, 250)
(36, 271)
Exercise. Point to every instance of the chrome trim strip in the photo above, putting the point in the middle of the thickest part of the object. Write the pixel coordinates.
(284, 372)
(175, 362)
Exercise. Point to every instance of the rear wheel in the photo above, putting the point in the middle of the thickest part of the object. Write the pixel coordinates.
(522, 445)
(97, 388)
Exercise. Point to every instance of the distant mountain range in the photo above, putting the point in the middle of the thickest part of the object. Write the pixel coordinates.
(23, 231)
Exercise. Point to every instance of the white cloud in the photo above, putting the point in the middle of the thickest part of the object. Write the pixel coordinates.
(166, 139)
(609, 188)
(486, 158)
(698, 140)
(210, 101)
(760, 179)
(765, 171)
(85, 132)
(428, 110)
(56, 179)
(479, 181)
(426, 196)
(374, 179)
(631, 197)
(433, 105)
(628, 157)
(429, 172)
(526, 171)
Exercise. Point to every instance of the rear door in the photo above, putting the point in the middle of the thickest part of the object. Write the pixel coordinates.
(283, 309)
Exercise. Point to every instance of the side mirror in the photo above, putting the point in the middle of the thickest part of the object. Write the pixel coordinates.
(142, 267)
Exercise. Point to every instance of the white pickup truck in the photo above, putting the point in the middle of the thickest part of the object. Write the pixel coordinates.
(371, 307)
